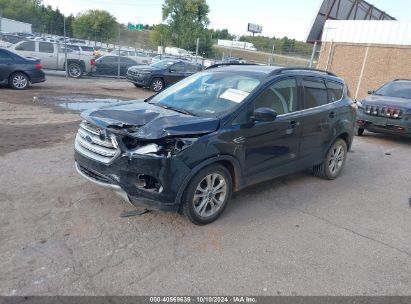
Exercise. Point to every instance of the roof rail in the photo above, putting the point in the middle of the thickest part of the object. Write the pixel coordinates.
(228, 64)
(281, 70)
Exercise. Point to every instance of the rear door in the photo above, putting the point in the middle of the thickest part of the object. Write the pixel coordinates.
(7, 65)
(318, 117)
(47, 55)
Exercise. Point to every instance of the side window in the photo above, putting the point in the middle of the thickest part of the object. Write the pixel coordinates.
(179, 67)
(5, 57)
(128, 60)
(315, 93)
(191, 68)
(28, 46)
(74, 47)
(45, 47)
(335, 91)
(281, 97)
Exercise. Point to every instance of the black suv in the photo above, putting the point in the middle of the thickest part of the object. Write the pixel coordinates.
(218, 131)
(161, 74)
(386, 110)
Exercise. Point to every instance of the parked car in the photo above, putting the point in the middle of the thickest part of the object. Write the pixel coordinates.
(159, 75)
(108, 65)
(234, 60)
(158, 58)
(386, 110)
(52, 56)
(83, 49)
(6, 40)
(19, 72)
(191, 146)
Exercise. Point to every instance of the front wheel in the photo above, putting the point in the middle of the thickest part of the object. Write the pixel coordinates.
(207, 195)
(334, 162)
(75, 70)
(360, 131)
(157, 84)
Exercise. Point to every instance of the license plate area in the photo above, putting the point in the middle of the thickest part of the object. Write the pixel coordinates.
(380, 121)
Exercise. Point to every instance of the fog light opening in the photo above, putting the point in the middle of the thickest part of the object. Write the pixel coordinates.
(149, 183)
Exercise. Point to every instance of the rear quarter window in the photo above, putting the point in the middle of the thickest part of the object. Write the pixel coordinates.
(28, 46)
(5, 56)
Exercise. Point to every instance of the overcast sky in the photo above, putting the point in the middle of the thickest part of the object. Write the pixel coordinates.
(279, 18)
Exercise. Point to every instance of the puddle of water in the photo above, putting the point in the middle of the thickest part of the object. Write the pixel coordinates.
(81, 103)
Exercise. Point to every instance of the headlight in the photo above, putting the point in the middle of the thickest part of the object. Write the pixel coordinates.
(164, 147)
(148, 149)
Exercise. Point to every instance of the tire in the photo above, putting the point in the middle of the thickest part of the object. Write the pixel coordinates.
(334, 161)
(157, 84)
(201, 205)
(75, 70)
(136, 85)
(360, 131)
(19, 81)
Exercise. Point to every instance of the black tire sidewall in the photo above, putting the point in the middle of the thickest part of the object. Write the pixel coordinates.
(360, 131)
(19, 74)
(188, 206)
(328, 173)
(152, 84)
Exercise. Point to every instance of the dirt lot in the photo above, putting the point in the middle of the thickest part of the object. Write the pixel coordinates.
(300, 235)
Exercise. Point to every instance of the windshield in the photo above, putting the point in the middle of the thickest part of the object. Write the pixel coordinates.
(401, 89)
(163, 64)
(208, 93)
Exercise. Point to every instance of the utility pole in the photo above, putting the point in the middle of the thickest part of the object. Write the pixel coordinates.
(119, 51)
(1, 19)
(313, 54)
(198, 41)
(271, 59)
(65, 45)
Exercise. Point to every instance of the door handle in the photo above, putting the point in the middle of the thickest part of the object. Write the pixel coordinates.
(331, 115)
(293, 124)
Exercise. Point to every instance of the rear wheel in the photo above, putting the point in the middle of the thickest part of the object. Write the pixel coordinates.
(334, 162)
(19, 81)
(157, 84)
(207, 194)
(75, 70)
(360, 131)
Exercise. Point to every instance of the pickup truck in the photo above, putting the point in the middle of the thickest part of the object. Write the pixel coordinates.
(52, 57)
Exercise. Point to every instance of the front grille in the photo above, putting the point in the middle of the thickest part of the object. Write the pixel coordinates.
(93, 143)
(131, 72)
(94, 175)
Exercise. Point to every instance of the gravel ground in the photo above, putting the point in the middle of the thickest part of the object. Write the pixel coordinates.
(299, 235)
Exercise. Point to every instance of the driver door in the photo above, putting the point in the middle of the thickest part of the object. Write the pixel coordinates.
(175, 73)
(271, 148)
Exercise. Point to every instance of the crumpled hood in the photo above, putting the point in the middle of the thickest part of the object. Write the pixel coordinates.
(146, 121)
(376, 100)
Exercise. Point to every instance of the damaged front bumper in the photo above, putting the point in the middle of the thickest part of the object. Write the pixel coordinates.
(141, 180)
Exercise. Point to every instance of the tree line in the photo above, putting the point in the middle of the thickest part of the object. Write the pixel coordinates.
(183, 22)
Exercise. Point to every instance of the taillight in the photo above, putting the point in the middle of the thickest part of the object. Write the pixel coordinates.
(93, 61)
(39, 66)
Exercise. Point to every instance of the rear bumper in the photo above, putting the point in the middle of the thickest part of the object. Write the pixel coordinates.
(400, 127)
(36, 76)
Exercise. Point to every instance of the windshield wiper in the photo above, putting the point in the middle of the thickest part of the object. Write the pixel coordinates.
(179, 110)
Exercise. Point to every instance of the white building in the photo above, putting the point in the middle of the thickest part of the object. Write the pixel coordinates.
(9, 25)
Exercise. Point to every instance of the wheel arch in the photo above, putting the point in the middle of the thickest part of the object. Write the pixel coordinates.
(19, 71)
(228, 161)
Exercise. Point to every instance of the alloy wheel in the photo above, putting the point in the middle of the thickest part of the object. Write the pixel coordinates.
(210, 195)
(336, 160)
(19, 81)
(157, 85)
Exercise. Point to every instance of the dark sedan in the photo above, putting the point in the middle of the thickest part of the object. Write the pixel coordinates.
(386, 110)
(161, 74)
(108, 65)
(18, 71)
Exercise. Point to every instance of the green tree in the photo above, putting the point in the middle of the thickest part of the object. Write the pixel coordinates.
(186, 20)
(97, 25)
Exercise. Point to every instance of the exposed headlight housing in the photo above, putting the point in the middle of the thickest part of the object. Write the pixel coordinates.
(164, 147)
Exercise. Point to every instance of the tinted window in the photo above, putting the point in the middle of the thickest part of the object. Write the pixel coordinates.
(281, 97)
(87, 48)
(110, 59)
(315, 93)
(127, 60)
(26, 46)
(74, 47)
(179, 67)
(45, 47)
(4, 56)
(191, 68)
(335, 91)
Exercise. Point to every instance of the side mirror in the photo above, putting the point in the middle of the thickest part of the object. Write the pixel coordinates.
(370, 92)
(264, 114)
(172, 70)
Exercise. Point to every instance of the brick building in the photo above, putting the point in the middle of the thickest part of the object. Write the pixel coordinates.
(366, 53)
